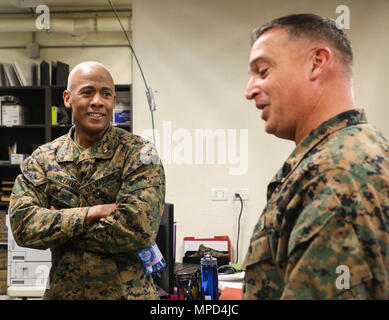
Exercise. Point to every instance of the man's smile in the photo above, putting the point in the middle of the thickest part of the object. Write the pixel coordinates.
(96, 115)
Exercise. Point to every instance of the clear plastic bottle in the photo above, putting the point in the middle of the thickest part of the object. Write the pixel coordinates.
(152, 259)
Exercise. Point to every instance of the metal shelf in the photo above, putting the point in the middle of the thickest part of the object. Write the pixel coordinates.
(65, 125)
(25, 126)
(6, 163)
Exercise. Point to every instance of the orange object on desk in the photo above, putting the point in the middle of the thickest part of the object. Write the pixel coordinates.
(231, 294)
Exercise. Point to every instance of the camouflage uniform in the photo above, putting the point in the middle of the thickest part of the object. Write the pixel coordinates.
(328, 206)
(99, 261)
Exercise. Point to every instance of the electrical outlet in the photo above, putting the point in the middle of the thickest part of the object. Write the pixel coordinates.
(219, 194)
(244, 194)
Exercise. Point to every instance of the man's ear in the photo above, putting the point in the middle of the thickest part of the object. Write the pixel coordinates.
(66, 99)
(321, 59)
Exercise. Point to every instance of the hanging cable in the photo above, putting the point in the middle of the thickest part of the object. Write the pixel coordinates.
(240, 214)
(149, 91)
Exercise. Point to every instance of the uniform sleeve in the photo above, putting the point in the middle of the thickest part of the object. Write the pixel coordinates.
(33, 224)
(133, 226)
(327, 247)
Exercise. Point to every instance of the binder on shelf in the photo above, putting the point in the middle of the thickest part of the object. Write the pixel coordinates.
(3, 77)
(62, 73)
(19, 74)
(33, 75)
(11, 75)
(53, 73)
(59, 73)
(44, 73)
(54, 115)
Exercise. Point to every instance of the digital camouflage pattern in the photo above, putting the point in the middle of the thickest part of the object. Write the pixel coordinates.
(328, 206)
(99, 261)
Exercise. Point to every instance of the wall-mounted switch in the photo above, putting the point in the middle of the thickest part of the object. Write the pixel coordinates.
(219, 194)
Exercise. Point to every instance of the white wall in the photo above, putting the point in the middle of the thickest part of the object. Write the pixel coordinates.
(195, 54)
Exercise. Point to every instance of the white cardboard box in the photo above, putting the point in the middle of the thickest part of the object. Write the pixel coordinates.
(26, 266)
(17, 158)
(13, 114)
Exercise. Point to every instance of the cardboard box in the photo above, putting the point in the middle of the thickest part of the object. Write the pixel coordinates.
(13, 114)
(17, 158)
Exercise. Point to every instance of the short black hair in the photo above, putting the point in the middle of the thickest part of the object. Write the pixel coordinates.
(313, 27)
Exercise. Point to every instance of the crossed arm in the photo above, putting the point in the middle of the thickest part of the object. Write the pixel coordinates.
(96, 213)
(129, 225)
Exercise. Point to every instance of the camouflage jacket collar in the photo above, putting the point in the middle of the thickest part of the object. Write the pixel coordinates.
(103, 149)
(340, 121)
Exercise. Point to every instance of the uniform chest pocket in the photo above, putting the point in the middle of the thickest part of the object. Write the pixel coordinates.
(62, 192)
(103, 190)
(259, 251)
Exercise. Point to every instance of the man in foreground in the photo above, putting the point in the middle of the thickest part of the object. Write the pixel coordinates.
(324, 233)
(91, 199)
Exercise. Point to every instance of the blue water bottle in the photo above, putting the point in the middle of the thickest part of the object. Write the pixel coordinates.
(209, 280)
(152, 259)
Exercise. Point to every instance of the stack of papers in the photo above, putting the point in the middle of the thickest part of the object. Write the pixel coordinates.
(239, 276)
(231, 286)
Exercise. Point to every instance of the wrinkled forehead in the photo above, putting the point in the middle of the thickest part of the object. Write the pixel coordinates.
(276, 46)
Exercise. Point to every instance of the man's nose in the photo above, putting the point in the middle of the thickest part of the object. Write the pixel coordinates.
(251, 90)
(97, 100)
